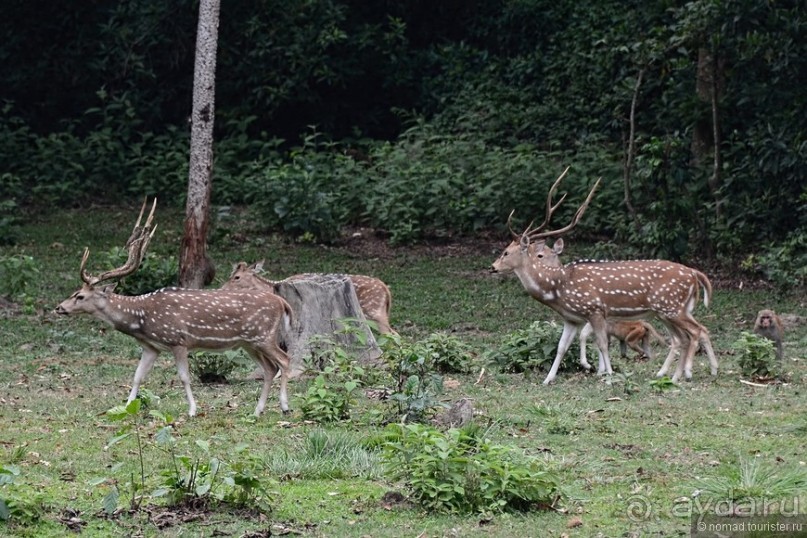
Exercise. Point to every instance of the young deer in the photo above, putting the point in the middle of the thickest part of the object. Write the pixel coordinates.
(179, 320)
(374, 296)
(634, 334)
(591, 291)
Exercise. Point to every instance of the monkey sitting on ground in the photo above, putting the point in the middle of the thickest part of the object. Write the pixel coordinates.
(768, 325)
(634, 334)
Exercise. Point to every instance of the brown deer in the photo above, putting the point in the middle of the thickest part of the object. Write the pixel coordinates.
(374, 296)
(592, 291)
(179, 320)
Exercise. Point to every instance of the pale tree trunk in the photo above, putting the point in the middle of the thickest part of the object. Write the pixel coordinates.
(195, 267)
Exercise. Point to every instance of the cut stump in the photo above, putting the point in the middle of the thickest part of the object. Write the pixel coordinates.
(320, 302)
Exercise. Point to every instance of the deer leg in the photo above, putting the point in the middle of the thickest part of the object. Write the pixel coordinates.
(601, 337)
(675, 345)
(181, 360)
(685, 361)
(569, 332)
(147, 359)
(706, 342)
(584, 334)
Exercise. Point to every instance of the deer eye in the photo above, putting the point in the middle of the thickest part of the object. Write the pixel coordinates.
(79, 297)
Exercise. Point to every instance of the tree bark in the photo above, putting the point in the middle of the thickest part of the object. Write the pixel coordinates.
(706, 132)
(195, 266)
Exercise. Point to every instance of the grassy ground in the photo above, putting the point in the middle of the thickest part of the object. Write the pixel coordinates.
(629, 461)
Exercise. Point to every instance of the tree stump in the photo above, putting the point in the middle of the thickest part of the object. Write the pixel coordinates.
(320, 302)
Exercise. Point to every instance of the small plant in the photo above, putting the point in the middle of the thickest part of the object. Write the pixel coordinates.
(448, 353)
(18, 276)
(756, 356)
(460, 471)
(662, 384)
(332, 392)
(416, 384)
(533, 348)
(215, 367)
(624, 380)
(19, 502)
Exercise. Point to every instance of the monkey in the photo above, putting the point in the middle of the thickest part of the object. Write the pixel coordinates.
(768, 325)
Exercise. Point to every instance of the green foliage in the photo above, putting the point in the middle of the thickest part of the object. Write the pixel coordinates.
(448, 353)
(332, 392)
(783, 263)
(326, 454)
(19, 275)
(197, 477)
(662, 384)
(20, 503)
(417, 385)
(155, 271)
(533, 348)
(756, 355)
(460, 471)
(752, 478)
(216, 367)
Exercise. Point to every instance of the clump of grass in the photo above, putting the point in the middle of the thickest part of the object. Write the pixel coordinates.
(326, 454)
(753, 479)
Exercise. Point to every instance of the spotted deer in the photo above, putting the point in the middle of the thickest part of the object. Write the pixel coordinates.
(179, 320)
(374, 296)
(593, 291)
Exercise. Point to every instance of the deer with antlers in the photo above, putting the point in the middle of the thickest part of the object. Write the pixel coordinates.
(593, 291)
(179, 320)
(374, 296)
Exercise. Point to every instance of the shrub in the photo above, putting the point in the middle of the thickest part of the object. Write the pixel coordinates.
(215, 367)
(533, 348)
(460, 471)
(18, 276)
(784, 264)
(756, 355)
(416, 384)
(448, 353)
(331, 394)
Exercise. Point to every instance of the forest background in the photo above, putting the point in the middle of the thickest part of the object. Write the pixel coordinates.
(428, 120)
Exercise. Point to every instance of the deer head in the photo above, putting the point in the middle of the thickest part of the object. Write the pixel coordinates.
(89, 298)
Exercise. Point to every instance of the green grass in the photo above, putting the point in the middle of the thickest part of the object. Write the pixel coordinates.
(627, 460)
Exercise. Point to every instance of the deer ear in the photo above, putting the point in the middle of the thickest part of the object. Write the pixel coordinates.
(557, 248)
(257, 267)
(108, 288)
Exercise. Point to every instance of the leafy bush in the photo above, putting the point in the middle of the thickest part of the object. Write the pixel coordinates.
(417, 385)
(533, 348)
(756, 355)
(784, 263)
(215, 367)
(18, 276)
(460, 471)
(19, 502)
(332, 392)
(155, 272)
(448, 353)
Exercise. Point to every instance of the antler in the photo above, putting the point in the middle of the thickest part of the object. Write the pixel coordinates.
(535, 233)
(136, 245)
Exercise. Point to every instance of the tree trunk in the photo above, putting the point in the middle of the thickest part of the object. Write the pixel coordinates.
(706, 132)
(195, 267)
(319, 303)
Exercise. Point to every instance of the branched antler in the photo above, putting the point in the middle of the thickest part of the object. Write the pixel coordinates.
(136, 246)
